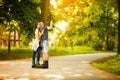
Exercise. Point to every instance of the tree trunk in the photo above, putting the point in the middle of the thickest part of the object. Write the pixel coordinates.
(45, 10)
(9, 42)
(105, 47)
(19, 41)
(14, 38)
(9, 48)
(119, 27)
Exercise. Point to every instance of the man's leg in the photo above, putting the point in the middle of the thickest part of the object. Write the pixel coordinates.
(46, 60)
(45, 54)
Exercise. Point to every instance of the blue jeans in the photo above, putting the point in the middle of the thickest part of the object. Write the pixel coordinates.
(34, 55)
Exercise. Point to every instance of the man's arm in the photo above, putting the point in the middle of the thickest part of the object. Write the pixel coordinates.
(51, 25)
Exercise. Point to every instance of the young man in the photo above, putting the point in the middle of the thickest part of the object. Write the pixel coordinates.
(44, 43)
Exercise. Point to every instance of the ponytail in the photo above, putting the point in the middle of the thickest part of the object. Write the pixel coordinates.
(35, 26)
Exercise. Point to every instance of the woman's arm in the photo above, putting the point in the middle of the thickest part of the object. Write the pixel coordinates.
(37, 34)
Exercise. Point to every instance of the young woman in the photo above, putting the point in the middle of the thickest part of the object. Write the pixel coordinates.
(35, 45)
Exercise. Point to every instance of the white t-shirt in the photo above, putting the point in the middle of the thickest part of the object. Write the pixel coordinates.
(35, 44)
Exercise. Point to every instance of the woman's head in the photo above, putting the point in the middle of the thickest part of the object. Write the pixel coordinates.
(36, 26)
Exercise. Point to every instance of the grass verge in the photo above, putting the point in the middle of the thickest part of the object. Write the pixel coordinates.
(110, 64)
(16, 53)
(22, 53)
(58, 51)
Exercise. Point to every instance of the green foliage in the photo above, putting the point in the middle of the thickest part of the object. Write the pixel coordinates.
(92, 23)
(107, 24)
(24, 12)
(35, 1)
(27, 17)
(97, 44)
(110, 64)
(27, 39)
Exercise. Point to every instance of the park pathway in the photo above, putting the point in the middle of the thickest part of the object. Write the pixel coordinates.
(72, 67)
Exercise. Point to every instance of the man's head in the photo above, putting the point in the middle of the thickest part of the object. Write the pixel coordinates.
(41, 23)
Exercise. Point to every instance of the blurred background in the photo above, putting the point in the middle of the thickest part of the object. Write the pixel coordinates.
(77, 24)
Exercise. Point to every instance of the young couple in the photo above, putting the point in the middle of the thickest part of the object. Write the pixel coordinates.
(40, 44)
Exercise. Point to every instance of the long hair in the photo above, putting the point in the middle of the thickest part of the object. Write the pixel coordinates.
(35, 26)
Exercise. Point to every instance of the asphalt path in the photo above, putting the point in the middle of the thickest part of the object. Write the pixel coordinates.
(72, 67)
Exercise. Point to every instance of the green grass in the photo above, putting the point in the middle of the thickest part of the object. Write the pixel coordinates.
(57, 51)
(110, 64)
(26, 52)
(16, 53)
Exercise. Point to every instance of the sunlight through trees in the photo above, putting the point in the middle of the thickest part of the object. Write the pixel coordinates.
(93, 23)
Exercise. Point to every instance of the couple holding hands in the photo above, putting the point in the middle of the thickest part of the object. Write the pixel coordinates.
(40, 45)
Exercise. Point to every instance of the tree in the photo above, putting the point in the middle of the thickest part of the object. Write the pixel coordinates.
(119, 27)
(91, 22)
(105, 21)
(45, 10)
(24, 12)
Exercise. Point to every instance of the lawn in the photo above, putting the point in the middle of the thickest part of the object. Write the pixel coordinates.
(26, 52)
(58, 51)
(110, 64)
(16, 53)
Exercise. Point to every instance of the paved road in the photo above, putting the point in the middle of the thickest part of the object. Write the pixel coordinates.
(73, 67)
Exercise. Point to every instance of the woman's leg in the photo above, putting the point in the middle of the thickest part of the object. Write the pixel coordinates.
(38, 55)
(33, 58)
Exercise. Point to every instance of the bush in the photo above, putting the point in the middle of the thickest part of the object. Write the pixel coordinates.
(111, 45)
(97, 45)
